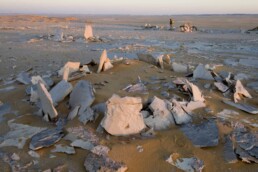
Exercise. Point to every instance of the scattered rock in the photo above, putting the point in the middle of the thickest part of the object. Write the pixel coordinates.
(82, 96)
(71, 67)
(221, 87)
(73, 113)
(33, 154)
(15, 157)
(244, 107)
(229, 154)
(63, 149)
(87, 115)
(23, 78)
(205, 134)
(123, 116)
(227, 114)
(46, 138)
(148, 58)
(104, 62)
(100, 150)
(186, 164)
(87, 145)
(179, 114)
(240, 90)
(60, 91)
(201, 73)
(179, 68)
(59, 35)
(88, 33)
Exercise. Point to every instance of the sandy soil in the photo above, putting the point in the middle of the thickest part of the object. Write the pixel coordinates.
(219, 38)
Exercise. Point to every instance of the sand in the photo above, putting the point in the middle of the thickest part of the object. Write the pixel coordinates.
(220, 37)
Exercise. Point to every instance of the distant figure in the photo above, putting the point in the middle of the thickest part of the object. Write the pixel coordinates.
(171, 23)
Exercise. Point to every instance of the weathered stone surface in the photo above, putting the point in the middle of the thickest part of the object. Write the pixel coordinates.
(4, 109)
(18, 135)
(179, 68)
(82, 95)
(123, 116)
(221, 87)
(46, 138)
(33, 154)
(137, 88)
(94, 162)
(59, 35)
(104, 62)
(107, 65)
(244, 107)
(186, 164)
(205, 134)
(148, 58)
(201, 73)
(36, 79)
(87, 145)
(46, 101)
(71, 66)
(63, 149)
(73, 113)
(60, 91)
(23, 78)
(88, 33)
(227, 114)
(87, 115)
(179, 114)
(160, 61)
(196, 93)
(192, 105)
(162, 117)
(240, 90)
(229, 154)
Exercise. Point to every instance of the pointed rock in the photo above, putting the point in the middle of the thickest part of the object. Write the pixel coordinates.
(243, 107)
(240, 90)
(46, 101)
(160, 61)
(59, 35)
(72, 66)
(180, 116)
(201, 73)
(123, 116)
(104, 62)
(82, 95)
(88, 33)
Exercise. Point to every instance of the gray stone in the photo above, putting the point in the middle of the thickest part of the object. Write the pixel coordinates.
(60, 91)
(4, 109)
(244, 107)
(73, 113)
(33, 154)
(59, 35)
(23, 78)
(46, 101)
(63, 149)
(221, 87)
(249, 62)
(87, 145)
(86, 116)
(179, 68)
(201, 73)
(82, 95)
(123, 116)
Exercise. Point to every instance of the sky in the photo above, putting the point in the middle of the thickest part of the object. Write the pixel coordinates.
(133, 7)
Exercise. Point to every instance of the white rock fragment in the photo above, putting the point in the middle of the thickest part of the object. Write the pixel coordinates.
(63, 149)
(87, 115)
(161, 118)
(100, 150)
(104, 62)
(46, 101)
(85, 69)
(197, 95)
(123, 116)
(33, 154)
(60, 91)
(83, 95)
(36, 79)
(227, 114)
(201, 73)
(240, 90)
(179, 68)
(179, 114)
(192, 105)
(88, 33)
(72, 66)
(160, 61)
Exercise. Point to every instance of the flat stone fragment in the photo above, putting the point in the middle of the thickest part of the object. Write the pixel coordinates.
(71, 66)
(33, 154)
(179, 114)
(240, 90)
(88, 33)
(18, 135)
(244, 107)
(107, 65)
(179, 68)
(229, 153)
(73, 113)
(46, 101)
(63, 149)
(123, 116)
(104, 62)
(100, 150)
(87, 115)
(201, 73)
(46, 138)
(196, 93)
(192, 105)
(227, 114)
(82, 95)
(36, 79)
(186, 164)
(60, 91)
(205, 134)
(95, 163)
(162, 117)
(148, 58)
(87, 145)
(139, 88)
(23, 78)
(221, 87)
(4, 109)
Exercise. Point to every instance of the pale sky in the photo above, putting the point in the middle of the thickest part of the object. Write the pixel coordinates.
(142, 7)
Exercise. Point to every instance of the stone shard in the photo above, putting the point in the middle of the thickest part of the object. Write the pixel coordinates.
(82, 95)
(201, 73)
(46, 101)
(240, 90)
(46, 138)
(104, 62)
(244, 107)
(179, 114)
(138, 88)
(33, 154)
(18, 135)
(179, 68)
(205, 134)
(123, 116)
(186, 164)
(36, 79)
(94, 162)
(162, 117)
(221, 87)
(148, 58)
(229, 154)
(87, 115)
(160, 61)
(196, 93)
(63, 149)
(100, 150)
(192, 105)
(60, 91)
(70, 68)
(4, 109)
(23, 78)
(73, 113)
(87, 145)
(88, 33)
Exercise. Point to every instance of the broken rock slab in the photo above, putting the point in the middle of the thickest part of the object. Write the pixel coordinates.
(205, 134)
(94, 162)
(46, 102)
(221, 87)
(104, 62)
(244, 107)
(161, 117)
(23, 78)
(83, 95)
(18, 135)
(148, 58)
(240, 90)
(63, 149)
(72, 66)
(87, 115)
(88, 33)
(123, 116)
(186, 164)
(201, 73)
(60, 91)
(46, 138)
(179, 68)
(87, 145)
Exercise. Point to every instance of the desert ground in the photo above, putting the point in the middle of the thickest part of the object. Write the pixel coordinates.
(222, 42)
